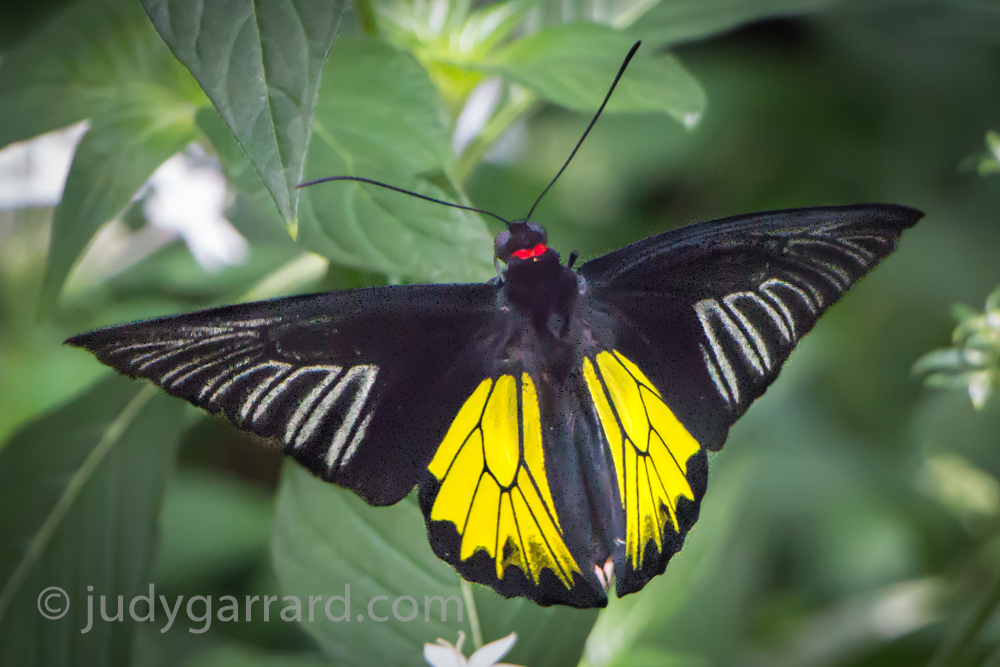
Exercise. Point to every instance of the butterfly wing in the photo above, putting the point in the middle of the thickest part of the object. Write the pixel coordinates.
(351, 383)
(378, 389)
(700, 321)
(555, 478)
(502, 494)
(536, 483)
(718, 306)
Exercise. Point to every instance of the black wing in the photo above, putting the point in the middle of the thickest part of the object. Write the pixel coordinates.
(350, 383)
(712, 310)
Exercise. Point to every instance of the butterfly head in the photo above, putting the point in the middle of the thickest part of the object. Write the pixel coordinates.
(522, 242)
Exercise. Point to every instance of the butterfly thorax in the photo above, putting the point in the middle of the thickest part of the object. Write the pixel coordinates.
(544, 328)
(540, 286)
(548, 326)
(534, 281)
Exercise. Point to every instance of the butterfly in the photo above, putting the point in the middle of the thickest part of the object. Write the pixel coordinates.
(555, 420)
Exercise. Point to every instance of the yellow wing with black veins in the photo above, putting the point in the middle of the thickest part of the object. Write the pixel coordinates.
(650, 448)
(494, 491)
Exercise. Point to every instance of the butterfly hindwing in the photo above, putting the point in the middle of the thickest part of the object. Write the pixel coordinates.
(661, 469)
(550, 492)
(722, 304)
(490, 503)
(349, 383)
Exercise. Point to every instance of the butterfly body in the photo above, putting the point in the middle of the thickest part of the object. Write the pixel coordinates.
(560, 324)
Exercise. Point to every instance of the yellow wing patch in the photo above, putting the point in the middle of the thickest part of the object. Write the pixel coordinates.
(493, 484)
(649, 446)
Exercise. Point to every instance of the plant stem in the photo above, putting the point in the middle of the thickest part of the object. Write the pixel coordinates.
(470, 609)
(303, 270)
(952, 649)
(366, 17)
(79, 479)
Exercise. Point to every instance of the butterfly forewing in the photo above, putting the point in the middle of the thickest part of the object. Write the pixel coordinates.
(349, 383)
(723, 303)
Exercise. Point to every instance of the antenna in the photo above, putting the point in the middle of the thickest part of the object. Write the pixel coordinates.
(635, 47)
(405, 192)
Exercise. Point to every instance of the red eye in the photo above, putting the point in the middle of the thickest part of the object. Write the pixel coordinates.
(539, 250)
(522, 254)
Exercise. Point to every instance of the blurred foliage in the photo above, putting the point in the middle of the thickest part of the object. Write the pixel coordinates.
(989, 163)
(64, 474)
(853, 518)
(974, 361)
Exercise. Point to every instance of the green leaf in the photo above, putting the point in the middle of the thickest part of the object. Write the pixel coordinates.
(253, 211)
(941, 360)
(38, 374)
(79, 496)
(381, 105)
(125, 144)
(212, 525)
(668, 598)
(260, 63)
(677, 21)
(379, 116)
(990, 163)
(573, 64)
(238, 168)
(230, 654)
(78, 63)
(326, 538)
(182, 649)
(993, 143)
(988, 166)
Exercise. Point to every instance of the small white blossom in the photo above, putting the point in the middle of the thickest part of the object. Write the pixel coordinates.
(979, 389)
(444, 654)
(33, 173)
(187, 196)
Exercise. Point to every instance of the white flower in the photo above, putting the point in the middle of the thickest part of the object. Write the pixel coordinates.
(33, 173)
(444, 654)
(187, 196)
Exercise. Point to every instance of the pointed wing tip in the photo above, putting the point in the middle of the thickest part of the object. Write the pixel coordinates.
(92, 341)
(905, 216)
(910, 214)
(95, 338)
(79, 340)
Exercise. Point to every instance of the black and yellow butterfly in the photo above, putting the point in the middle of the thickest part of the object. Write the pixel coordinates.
(556, 420)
